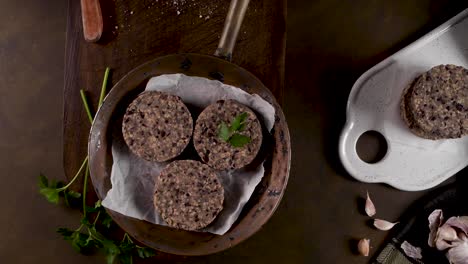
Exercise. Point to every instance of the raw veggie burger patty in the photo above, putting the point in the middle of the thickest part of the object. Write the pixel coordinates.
(435, 105)
(214, 151)
(188, 195)
(157, 126)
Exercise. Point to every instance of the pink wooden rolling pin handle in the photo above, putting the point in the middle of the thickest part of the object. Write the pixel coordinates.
(92, 20)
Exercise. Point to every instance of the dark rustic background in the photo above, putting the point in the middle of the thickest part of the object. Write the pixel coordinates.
(329, 45)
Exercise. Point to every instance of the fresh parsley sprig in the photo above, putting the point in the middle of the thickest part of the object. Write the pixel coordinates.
(53, 190)
(231, 135)
(87, 238)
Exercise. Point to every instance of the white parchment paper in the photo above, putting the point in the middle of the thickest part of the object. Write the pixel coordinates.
(133, 178)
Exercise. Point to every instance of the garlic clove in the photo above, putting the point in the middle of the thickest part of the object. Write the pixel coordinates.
(447, 237)
(451, 236)
(459, 222)
(383, 224)
(452, 233)
(363, 247)
(459, 253)
(370, 208)
(411, 251)
(435, 221)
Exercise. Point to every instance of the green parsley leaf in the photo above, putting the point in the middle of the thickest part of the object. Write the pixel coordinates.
(126, 247)
(106, 219)
(89, 246)
(82, 243)
(49, 191)
(85, 221)
(224, 134)
(51, 194)
(79, 242)
(242, 127)
(65, 232)
(126, 258)
(98, 236)
(111, 250)
(126, 250)
(65, 198)
(230, 135)
(56, 185)
(238, 122)
(90, 209)
(73, 194)
(238, 140)
(43, 181)
(90, 242)
(97, 207)
(71, 198)
(144, 252)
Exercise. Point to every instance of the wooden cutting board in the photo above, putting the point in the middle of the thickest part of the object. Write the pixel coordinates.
(136, 31)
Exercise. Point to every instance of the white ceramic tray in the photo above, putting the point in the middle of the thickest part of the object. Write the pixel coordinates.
(411, 163)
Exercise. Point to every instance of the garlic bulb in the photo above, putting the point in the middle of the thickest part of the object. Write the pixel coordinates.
(451, 236)
(363, 247)
(370, 208)
(383, 224)
(459, 253)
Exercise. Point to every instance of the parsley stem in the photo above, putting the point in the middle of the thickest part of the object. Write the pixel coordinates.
(94, 236)
(104, 85)
(85, 161)
(86, 106)
(90, 116)
(97, 217)
(85, 185)
(79, 228)
(127, 237)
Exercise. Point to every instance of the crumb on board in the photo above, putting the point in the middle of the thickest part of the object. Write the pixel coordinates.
(157, 9)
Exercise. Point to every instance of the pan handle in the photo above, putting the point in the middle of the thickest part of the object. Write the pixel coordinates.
(232, 25)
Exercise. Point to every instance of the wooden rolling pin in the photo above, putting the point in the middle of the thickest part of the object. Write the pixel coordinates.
(92, 20)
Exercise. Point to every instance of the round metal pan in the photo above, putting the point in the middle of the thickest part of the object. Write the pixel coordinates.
(268, 193)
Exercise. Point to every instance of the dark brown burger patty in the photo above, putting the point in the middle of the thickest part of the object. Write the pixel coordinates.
(436, 104)
(188, 195)
(407, 115)
(214, 151)
(157, 126)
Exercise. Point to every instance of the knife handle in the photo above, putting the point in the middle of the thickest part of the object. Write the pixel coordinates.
(92, 20)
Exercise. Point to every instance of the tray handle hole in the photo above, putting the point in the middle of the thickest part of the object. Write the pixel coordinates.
(371, 147)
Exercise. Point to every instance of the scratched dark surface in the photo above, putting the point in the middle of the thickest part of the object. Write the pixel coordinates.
(330, 44)
(342, 40)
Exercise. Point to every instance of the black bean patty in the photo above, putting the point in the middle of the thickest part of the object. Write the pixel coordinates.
(188, 195)
(214, 151)
(435, 105)
(407, 115)
(157, 126)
